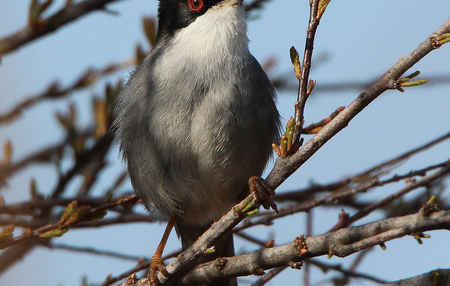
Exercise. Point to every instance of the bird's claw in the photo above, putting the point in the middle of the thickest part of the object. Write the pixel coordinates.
(262, 192)
(156, 265)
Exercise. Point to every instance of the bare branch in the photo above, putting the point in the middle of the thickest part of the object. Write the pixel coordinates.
(92, 250)
(342, 243)
(60, 18)
(435, 277)
(284, 82)
(54, 91)
(347, 272)
(83, 159)
(408, 188)
(269, 276)
(142, 265)
(43, 156)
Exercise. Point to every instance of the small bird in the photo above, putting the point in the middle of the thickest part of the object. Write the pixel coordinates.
(196, 120)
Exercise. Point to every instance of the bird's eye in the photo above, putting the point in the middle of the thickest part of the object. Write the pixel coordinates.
(195, 5)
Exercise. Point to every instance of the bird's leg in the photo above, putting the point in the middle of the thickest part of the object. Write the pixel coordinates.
(157, 264)
(262, 192)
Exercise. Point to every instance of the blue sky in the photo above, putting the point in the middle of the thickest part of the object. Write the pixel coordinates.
(358, 40)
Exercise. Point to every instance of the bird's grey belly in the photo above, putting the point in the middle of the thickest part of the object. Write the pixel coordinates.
(192, 161)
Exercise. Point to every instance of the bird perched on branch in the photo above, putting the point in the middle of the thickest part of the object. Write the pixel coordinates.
(196, 120)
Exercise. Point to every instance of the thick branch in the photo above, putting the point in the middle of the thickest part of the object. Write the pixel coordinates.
(342, 243)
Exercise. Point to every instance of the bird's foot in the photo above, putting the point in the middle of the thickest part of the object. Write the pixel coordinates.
(156, 265)
(262, 192)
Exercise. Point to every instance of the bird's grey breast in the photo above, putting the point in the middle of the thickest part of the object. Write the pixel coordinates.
(197, 120)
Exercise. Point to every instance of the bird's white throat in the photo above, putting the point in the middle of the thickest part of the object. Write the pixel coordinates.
(213, 37)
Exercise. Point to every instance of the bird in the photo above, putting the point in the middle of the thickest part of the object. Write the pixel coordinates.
(196, 120)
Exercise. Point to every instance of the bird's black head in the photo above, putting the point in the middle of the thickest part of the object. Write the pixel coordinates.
(174, 15)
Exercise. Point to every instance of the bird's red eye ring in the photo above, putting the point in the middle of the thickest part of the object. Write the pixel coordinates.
(195, 5)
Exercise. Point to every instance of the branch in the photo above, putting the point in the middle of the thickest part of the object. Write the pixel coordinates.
(336, 197)
(54, 91)
(11, 255)
(208, 239)
(255, 262)
(121, 219)
(269, 276)
(347, 272)
(303, 86)
(60, 18)
(28, 208)
(435, 277)
(408, 188)
(142, 265)
(342, 186)
(284, 167)
(284, 82)
(42, 156)
(82, 160)
(72, 215)
(93, 250)
(341, 243)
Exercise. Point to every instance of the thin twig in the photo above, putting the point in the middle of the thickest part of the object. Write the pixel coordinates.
(141, 266)
(29, 234)
(83, 159)
(384, 167)
(120, 219)
(43, 156)
(408, 188)
(348, 273)
(28, 208)
(306, 68)
(305, 194)
(332, 199)
(250, 238)
(434, 277)
(92, 250)
(269, 276)
(284, 82)
(54, 91)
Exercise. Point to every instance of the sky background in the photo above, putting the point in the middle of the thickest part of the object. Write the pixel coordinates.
(356, 41)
